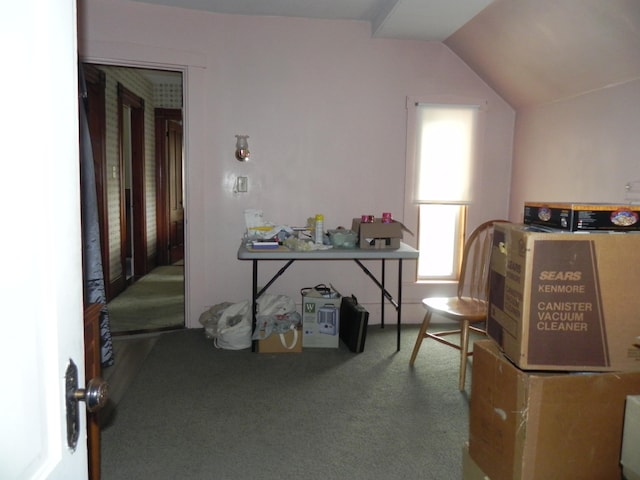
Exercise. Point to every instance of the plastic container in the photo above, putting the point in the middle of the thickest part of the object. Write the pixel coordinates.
(319, 229)
(342, 238)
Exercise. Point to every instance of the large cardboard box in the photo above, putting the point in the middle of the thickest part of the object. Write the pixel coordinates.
(321, 319)
(378, 234)
(545, 425)
(583, 216)
(566, 301)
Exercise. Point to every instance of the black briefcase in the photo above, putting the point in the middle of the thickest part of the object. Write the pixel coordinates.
(354, 320)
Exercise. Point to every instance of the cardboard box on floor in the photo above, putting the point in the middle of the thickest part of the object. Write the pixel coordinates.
(565, 301)
(544, 425)
(290, 342)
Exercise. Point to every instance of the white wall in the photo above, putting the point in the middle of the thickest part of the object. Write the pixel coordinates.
(324, 106)
(583, 149)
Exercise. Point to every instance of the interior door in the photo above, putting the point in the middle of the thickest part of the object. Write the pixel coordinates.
(176, 207)
(42, 297)
(169, 187)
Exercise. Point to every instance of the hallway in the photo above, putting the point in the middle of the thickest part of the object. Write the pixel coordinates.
(153, 303)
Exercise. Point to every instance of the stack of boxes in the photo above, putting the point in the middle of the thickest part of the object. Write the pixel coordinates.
(550, 385)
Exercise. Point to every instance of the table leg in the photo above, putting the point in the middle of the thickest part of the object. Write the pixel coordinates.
(385, 294)
(399, 307)
(382, 295)
(254, 301)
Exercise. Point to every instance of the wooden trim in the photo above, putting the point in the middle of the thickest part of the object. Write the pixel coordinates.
(136, 104)
(95, 80)
(93, 369)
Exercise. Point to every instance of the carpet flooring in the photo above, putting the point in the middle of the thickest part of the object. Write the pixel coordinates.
(154, 302)
(195, 412)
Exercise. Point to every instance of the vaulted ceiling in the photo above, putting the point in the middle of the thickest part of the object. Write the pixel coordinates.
(529, 51)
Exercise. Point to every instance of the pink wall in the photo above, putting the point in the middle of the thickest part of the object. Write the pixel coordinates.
(324, 105)
(582, 149)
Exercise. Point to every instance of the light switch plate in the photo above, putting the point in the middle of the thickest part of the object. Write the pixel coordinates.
(242, 184)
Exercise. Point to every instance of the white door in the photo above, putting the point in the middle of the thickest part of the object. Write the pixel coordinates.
(41, 276)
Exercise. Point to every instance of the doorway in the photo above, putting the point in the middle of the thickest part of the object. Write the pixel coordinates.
(140, 191)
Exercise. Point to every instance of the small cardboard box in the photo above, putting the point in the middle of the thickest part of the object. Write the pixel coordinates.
(565, 301)
(290, 342)
(377, 234)
(321, 319)
(583, 216)
(543, 425)
(630, 459)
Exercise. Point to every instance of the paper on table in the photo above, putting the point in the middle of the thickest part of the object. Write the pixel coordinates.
(253, 218)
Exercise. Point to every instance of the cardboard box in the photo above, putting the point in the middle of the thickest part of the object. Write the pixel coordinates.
(321, 319)
(543, 425)
(290, 342)
(565, 301)
(630, 459)
(378, 235)
(583, 216)
(470, 469)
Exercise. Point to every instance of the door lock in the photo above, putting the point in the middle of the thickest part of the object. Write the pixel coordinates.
(94, 396)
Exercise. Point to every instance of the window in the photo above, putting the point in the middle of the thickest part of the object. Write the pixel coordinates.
(441, 148)
(440, 232)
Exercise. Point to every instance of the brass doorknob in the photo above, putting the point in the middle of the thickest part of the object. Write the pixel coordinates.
(95, 395)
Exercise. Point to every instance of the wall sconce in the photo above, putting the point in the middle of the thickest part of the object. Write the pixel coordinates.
(242, 148)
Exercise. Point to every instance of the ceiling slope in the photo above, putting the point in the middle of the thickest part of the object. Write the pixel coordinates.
(539, 51)
(432, 20)
(529, 51)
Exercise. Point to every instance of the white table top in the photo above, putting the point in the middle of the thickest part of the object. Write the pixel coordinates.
(283, 253)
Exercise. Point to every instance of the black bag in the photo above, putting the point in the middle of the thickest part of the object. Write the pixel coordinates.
(354, 320)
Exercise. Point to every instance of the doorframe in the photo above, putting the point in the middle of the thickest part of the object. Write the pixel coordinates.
(193, 67)
(95, 80)
(126, 98)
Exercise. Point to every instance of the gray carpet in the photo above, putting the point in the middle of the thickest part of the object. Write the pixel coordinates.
(156, 301)
(195, 412)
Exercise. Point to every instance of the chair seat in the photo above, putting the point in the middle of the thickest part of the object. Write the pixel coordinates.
(472, 309)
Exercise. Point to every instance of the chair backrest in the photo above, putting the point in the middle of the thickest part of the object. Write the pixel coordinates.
(476, 262)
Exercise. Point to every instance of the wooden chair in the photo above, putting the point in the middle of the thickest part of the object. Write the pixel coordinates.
(469, 307)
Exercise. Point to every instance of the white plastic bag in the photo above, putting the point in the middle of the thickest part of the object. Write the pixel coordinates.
(229, 324)
(272, 304)
(234, 327)
(275, 314)
(276, 324)
(209, 319)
